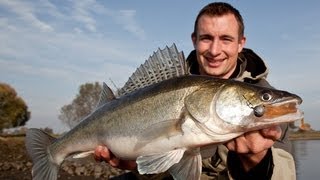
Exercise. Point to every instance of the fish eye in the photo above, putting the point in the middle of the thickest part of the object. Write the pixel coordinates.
(266, 96)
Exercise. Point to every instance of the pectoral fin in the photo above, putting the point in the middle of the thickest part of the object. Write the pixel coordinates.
(189, 167)
(157, 163)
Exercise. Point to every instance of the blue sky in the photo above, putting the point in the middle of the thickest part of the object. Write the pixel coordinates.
(49, 48)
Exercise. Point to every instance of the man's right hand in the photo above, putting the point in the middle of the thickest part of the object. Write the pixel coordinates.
(102, 153)
(252, 147)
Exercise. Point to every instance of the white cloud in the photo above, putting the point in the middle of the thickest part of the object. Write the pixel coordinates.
(59, 52)
(81, 13)
(127, 19)
(26, 12)
(86, 12)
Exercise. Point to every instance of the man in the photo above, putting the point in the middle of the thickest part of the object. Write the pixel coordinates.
(219, 40)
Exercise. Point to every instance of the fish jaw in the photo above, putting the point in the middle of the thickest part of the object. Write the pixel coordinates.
(284, 111)
(282, 108)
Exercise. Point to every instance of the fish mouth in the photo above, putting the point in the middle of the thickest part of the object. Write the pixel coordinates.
(285, 110)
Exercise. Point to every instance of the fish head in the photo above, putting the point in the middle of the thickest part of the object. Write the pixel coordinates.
(254, 107)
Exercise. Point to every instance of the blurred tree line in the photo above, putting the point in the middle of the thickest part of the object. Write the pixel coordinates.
(82, 105)
(13, 110)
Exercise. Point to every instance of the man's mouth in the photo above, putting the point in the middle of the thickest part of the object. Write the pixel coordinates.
(214, 63)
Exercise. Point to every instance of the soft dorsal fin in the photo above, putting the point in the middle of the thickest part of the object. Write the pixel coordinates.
(163, 64)
(106, 95)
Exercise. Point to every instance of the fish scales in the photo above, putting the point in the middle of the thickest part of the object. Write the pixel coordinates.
(135, 112)
(165, 125)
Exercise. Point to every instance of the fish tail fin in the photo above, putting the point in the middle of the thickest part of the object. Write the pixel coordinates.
(37, 142)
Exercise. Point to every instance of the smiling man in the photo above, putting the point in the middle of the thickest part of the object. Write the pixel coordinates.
(219, 41)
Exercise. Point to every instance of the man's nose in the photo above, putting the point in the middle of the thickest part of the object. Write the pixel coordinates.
(215, 47)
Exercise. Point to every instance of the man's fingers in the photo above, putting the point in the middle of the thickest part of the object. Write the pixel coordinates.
(273, 132)
(239, 145)
(101, 153)
(114, 162)
(105, 153)
(231, 145)
(97, 153)
(257, 143)
(254, 141)
(107, 156)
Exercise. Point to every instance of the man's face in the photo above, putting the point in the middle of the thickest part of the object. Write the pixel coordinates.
(217, 44)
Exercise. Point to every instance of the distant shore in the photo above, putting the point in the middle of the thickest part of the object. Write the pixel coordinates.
(305, 135)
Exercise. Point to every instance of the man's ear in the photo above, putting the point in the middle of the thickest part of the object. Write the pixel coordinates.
(242, 43)
(194, 39)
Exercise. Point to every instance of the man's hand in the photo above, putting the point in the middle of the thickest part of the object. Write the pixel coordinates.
(253, 146)
(102, 153)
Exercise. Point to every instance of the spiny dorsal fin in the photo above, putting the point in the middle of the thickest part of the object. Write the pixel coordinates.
(106, 95)
(163, 64)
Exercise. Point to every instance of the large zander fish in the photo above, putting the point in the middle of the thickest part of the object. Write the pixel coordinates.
(163, 126)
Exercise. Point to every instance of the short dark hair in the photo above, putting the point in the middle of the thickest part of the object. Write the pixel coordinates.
(219, 9)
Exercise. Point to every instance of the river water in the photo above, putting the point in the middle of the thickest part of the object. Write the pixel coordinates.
(307, 158)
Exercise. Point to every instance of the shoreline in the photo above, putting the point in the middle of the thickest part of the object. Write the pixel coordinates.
(293, 135)
(304, 135)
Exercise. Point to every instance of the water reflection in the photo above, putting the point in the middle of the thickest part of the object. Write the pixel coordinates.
(306, 155)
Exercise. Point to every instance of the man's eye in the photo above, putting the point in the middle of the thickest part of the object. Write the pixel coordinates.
(205, 38)
(227, 39)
